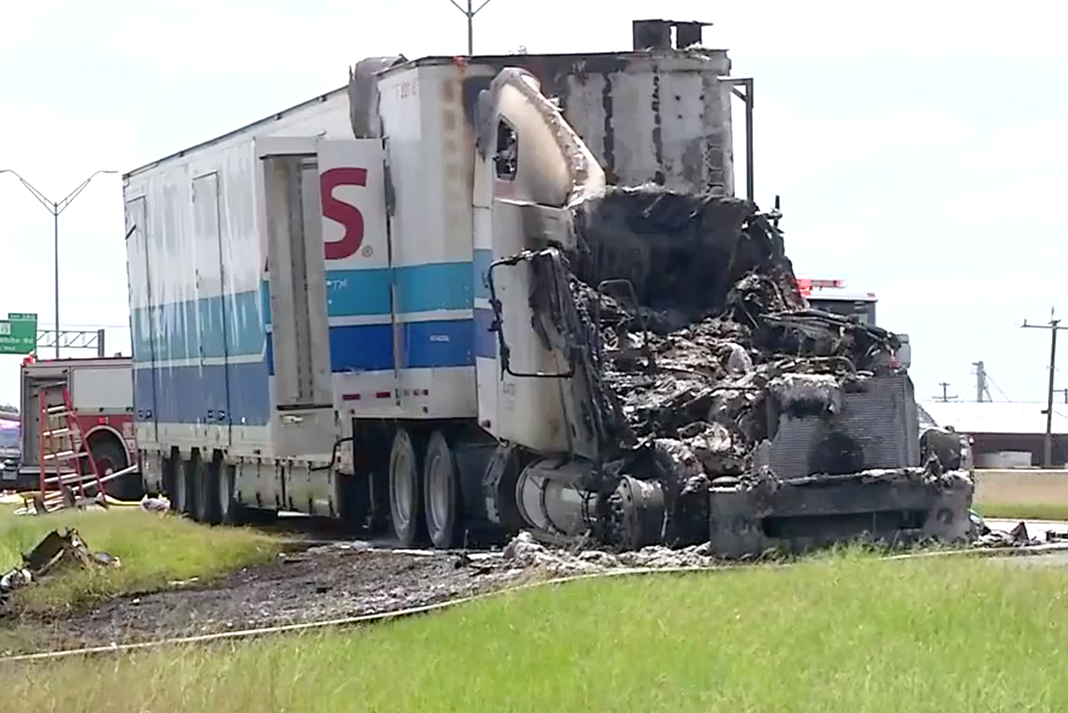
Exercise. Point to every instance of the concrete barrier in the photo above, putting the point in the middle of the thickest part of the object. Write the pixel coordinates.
(1021, 487)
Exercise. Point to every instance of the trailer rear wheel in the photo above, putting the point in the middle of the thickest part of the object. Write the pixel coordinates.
(183, 490)
(442, 493)
(228, 506)
(206, 502)
(405, 493)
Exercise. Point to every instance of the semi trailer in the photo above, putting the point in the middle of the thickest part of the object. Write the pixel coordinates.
(464, 296)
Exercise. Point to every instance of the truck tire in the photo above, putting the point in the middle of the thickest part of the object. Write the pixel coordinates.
(441, 494)
(405, 491)
(182, 497)
(206, 501)
(110, 456)
(228, 505)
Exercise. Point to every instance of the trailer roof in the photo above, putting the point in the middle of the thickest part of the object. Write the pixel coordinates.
(222, 137)
(587, 58)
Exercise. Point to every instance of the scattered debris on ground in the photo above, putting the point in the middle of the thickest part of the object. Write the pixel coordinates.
(54, 554)
(342, 579)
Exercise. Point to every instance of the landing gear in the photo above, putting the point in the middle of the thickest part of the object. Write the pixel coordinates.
(405, 493)
(441, 493)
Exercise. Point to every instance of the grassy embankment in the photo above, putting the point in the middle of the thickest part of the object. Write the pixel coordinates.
(845, 634)
(1025, 511)
(154, 550)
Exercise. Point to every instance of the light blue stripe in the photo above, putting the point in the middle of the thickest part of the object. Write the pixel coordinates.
(193, 330)
(420, 288)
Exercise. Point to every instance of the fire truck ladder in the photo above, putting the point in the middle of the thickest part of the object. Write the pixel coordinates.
(60, 442)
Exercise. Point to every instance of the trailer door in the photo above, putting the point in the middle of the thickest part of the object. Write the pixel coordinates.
(144, 322)
(212, 312)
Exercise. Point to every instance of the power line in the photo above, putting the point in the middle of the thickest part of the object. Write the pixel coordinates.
(1053, 326)
(990, 379)
(945, 397)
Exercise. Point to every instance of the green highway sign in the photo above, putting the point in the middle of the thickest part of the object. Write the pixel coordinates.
(18, 333)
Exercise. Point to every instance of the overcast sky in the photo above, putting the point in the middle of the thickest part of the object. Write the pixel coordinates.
(920, 149)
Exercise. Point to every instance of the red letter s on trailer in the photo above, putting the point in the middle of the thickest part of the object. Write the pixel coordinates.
(349, 216)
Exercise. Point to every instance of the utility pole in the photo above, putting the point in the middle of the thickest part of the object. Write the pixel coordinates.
(55, 208)
(945, 397)
(980, 381)
(1054, 326)
(470, 13)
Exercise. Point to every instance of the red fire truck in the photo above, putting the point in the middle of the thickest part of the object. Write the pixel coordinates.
(101, 396)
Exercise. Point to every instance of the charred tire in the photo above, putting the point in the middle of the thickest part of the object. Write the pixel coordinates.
(206, 501)
(441, 493)
(405, 491)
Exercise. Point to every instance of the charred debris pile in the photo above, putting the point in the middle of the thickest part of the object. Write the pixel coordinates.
(699, 318)
(703, 342)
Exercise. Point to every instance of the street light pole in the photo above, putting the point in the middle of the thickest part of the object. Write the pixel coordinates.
(55, 208)
(470, 13)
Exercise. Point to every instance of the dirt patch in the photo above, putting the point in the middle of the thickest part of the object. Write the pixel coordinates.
(319, 584)
(322, 583)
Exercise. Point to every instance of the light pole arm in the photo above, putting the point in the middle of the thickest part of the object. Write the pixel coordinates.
(54, 207)
(41, 198)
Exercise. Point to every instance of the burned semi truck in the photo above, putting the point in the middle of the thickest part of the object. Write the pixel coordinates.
(492, 294)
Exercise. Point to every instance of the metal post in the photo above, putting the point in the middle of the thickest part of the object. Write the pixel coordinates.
(1047, 449)
(55, 262)
(55, 208)
(470, 13)
(1053, 326)
(746, 95)
(470, 29)
(100, 352)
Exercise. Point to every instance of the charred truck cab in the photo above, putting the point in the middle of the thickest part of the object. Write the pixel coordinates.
(519, 293)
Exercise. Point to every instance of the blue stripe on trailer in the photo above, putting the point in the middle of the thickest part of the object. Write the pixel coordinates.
(194, 393)
(420, 288)
(422, 345)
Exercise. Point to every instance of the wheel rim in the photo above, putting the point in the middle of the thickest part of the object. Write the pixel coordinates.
(402, 489)
(438, 491)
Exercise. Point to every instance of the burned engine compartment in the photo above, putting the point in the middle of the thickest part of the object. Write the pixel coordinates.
(734, 413)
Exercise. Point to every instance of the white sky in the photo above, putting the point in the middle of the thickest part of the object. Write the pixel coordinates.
(919, 147)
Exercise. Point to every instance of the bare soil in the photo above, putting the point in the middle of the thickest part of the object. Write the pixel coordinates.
(318, 584)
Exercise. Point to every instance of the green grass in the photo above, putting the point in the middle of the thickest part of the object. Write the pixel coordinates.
(154, 550)
(849, 635)
(1034, 511)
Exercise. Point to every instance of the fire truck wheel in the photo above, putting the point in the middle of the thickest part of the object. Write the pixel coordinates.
(405, 491)
(110, 456)
(442, 493)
